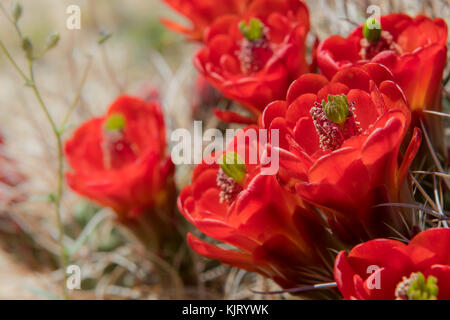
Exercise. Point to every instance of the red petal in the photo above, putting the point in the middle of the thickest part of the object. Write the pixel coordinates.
(333, 89)
(410, 153)
(233, 258)
(307, 83)
(306, 135)
(436, 240)
(294, 165)
(380, 150)
(300, 108)
(388, 280)
(272, 111)
(83, 150)
(205, 181)
(394, 98)
(379, 252)
(233, 117)
(365, 110)
(280, 125)
(378, 72)
(343, 274)
(355, 78)
(335, 53)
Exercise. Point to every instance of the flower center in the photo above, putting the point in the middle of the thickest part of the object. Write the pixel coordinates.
(376, 40)
(255, 50)
(417, 287)
(230, 177)
(334, 121)
(117, 151)
(229, 189)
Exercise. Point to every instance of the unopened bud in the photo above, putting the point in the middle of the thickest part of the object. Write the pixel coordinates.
(52, 40)
(17, 11)
(27, 46)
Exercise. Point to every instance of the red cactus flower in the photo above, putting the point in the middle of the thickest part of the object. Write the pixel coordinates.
(252, 58)
(202, 14)
(384, 269)
(119, 160)
(414, 49)
(339, 145)
(272, 232)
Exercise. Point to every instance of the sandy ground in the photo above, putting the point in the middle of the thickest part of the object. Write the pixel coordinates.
(17, 283)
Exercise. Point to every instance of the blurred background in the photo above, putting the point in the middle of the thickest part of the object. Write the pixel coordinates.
(140, 57)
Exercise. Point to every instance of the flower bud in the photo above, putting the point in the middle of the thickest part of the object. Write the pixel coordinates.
(17, 11)
(336, 109)
(52, 40)
(27, 46)
(233, 166)
(372, 30)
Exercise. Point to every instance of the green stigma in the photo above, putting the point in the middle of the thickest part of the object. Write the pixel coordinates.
(372, 30)
(423, 289)
(233, 166)
(336, 109)
(253, 30)
(116, 121)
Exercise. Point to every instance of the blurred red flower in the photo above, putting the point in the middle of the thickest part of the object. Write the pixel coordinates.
(275, 235)
(120, 160)
(202, 14)
(384, 269)
(252, 58)
(414, 49)
(339, 147)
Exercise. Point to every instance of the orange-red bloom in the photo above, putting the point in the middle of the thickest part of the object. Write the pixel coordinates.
(202, 14)
(385, 269)
(414, 49)
(252, 58)
(120, 160)
(273, 233)
(339, 145)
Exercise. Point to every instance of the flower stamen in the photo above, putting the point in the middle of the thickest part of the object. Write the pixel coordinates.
(254, 48)
(229, 189)
(334, 121)
(370, 49)
(417, 287)
(117, 151)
